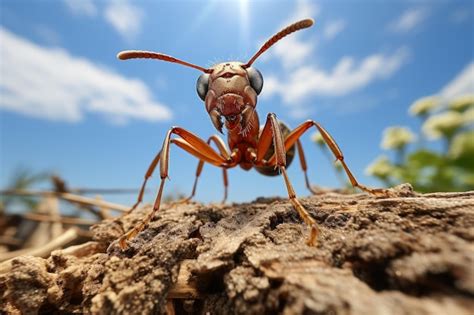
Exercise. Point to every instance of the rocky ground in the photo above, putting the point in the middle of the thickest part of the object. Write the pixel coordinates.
(411, 254)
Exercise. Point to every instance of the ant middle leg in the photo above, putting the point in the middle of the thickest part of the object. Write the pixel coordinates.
(304, 167)
(225, 153)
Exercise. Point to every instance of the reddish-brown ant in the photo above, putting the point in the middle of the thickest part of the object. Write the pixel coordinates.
(229, 90)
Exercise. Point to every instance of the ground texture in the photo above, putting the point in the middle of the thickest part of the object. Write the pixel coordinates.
(408, 254)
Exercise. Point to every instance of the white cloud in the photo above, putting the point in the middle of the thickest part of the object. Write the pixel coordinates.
(409, 20)
(346, 77)
(82, 7)
(333, 28)
(303, 80)
(304, 9)
(292, 50)
(462, 84)
(124, 17)
(50, 83)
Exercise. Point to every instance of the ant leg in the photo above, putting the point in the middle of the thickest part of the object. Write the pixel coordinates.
(314, 190)
(304, 167)
(301, 129)
(226, 185)
(313, 234)
(225, 153)
(148, 174)
(271, 132)
(193, 192)
(191, 144)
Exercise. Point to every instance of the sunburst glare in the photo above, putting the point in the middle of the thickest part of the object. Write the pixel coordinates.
(244, 23)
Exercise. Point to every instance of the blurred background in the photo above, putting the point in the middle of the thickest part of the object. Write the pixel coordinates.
(392, 81)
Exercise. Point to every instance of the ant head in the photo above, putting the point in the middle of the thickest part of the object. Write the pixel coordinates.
(229, 89)
(227, 71)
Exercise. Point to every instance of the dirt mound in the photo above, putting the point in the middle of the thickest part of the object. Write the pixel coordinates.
(408, 255)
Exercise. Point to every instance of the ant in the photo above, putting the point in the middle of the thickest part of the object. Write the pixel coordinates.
(229, 91)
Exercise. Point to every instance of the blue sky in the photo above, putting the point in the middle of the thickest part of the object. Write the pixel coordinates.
(68, 105)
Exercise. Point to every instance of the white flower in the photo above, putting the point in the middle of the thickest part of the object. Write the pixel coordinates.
(397, 137)
(462, 145)
(444, 124)
(381, 167)
(462, 103)
(468, 116)
(423, 106)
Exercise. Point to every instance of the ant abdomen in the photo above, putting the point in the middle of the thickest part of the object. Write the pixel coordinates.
(290, 154)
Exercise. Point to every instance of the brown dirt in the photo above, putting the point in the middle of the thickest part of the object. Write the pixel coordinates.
(412, 254)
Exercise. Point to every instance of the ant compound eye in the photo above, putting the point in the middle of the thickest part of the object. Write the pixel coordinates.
(256, 79)
(202, 85)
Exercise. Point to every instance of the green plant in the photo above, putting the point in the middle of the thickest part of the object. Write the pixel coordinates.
(428, 170)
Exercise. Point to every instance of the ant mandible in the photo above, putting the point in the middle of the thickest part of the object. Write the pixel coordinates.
(229, 90)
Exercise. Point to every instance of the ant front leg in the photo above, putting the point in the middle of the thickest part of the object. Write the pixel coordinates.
(301, 129)
(271, 132)
(191, 144)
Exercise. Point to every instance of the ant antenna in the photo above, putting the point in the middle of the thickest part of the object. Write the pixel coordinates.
(133, 54)
(275, 38)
